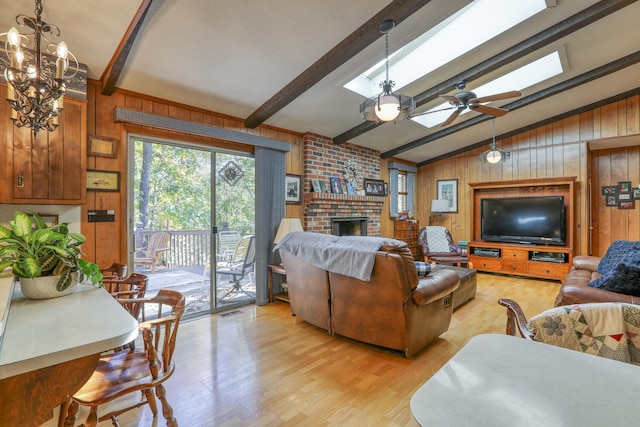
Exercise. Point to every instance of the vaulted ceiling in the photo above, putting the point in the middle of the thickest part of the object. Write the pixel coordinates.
(284, 62)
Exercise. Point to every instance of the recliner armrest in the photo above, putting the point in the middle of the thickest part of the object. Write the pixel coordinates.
(586, 262)
(437, 285)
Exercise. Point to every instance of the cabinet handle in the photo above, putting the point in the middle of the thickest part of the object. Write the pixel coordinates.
(513, 267)
(514, 254)
(20, 181)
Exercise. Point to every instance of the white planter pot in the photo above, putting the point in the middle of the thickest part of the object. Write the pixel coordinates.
(45, 287)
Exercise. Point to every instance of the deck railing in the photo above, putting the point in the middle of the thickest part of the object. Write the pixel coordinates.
(186, 247)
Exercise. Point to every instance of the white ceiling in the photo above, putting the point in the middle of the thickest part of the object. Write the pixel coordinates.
(231, 56)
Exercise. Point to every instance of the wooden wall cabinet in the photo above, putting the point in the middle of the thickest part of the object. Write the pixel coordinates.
(50, 168)
(407, 231)
(523, 260)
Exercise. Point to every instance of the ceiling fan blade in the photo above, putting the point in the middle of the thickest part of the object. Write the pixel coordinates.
(496, 97)
(492, 111)
(451, 98)
(434, 111)
(452, 117)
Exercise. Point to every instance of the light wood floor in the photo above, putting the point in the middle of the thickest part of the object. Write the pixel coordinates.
(263, 367)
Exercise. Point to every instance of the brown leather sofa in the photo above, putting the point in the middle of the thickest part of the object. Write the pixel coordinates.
(393, 309)
(574, 289)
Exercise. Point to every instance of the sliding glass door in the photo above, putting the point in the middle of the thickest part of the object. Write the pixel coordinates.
(180, 196)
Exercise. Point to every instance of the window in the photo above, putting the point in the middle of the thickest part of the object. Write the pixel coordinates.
(426, 53)
(402, 191)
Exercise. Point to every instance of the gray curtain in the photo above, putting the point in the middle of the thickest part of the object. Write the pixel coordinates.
(270, 209)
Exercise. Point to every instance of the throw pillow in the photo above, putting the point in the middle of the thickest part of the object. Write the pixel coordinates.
(620, 251)
(423, 268)
(624, 279)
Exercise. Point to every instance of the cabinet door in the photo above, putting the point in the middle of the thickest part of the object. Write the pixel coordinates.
(50, 168)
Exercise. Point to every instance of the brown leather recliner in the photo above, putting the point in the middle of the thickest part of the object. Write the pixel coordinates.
(574, 289)
(393, 309)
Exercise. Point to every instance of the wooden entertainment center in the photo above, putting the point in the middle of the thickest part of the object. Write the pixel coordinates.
(541, 261)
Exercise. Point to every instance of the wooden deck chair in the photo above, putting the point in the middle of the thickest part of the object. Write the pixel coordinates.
(155, 251)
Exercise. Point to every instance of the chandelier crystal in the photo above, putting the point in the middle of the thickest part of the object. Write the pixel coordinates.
(35, 68)
(388, 105)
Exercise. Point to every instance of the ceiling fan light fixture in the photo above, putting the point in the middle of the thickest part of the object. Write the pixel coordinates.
(387, 106)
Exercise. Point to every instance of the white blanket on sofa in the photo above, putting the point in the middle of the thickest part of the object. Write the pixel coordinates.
(352, 256)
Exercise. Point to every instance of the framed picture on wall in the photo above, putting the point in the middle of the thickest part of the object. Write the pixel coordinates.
(448, 190)
(292, 189)
(624, 187)
(102, 147)
(636, 193)
(100, 180)
(609, 190)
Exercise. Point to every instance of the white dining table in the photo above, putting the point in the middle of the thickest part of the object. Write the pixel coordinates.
(501, 380)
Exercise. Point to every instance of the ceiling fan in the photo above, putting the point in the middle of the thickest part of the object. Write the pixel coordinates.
(467, 99)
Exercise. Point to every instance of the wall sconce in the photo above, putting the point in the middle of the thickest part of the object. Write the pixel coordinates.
(439, 206)
(287, 225)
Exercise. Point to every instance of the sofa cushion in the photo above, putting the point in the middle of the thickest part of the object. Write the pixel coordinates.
(624, 279)
(422, 268)
(620, 251)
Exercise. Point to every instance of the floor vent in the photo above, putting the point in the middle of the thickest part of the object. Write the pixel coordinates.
(229, 313)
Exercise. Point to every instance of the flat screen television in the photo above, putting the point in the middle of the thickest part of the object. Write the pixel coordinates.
(537, 220)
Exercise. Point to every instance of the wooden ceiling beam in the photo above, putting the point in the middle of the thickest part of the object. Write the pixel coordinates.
(584, 78)
(573, 23)
(398, 10)
(111, 74)
(550, 120)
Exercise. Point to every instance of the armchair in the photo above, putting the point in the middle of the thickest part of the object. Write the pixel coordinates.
(610, 330)
(438, 247)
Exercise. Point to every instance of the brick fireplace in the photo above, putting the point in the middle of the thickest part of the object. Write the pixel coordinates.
(323, 160)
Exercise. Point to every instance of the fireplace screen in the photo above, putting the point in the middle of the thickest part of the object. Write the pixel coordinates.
(349, 226)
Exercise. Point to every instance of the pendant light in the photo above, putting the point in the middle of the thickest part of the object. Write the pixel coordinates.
(388, 105)
(493, 155)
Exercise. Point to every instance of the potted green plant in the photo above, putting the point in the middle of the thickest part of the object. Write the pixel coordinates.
(35, 250)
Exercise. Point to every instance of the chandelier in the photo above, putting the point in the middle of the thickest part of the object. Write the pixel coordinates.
(35, 69)
(494, 155)
(388, 105)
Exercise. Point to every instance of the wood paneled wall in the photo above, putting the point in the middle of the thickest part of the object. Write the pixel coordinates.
(109, 239)
(556, 149)
(609, 167)
(553, 150)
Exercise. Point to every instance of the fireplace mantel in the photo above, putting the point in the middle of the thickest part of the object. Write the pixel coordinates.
(343, 198)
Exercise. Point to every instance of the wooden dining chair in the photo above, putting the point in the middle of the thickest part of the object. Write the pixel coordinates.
(134, 286)
(145, 370)
(115, 271)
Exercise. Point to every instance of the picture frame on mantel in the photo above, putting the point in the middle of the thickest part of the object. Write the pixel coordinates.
(448, 190)
(102, 147)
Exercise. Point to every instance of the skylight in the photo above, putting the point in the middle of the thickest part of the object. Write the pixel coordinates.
(446, 42)
(519, 79)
